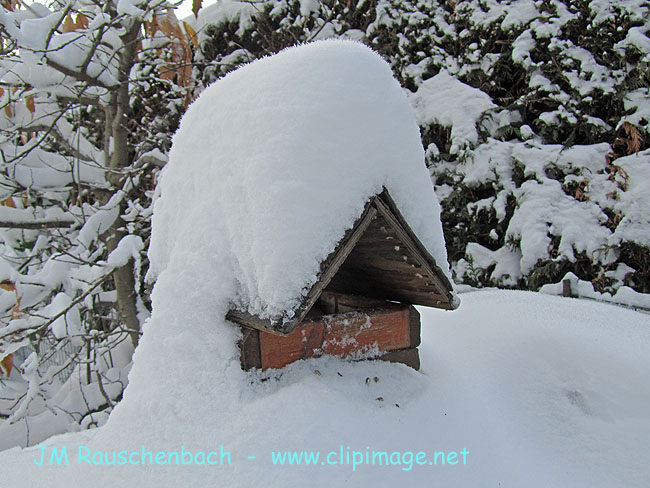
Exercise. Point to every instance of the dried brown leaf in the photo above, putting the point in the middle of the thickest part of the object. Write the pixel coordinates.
(616, 171)
(8, 202)
(10, 5)
(168, 24)
(82, 21)
(7, 285)
(6, 364)
(196, 6)
(15, 311)
(634, 138)
(191, 34)
(29, 102)
(611, 157)
(68, 24)
(582, 192)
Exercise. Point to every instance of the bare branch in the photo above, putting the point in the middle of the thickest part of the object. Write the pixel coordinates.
(102, 390)
(81, 100)
(37, 224)
(56, 26)
(38, 328)
(93, 49)
(54, 132)
(78, 76)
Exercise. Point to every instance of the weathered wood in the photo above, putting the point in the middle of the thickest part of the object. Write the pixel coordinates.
(250, 320)
(354, 281)
(566, 288)
(249, 347)
(354, 333)
(380, 258)
(341, 302)
(346, 335)
(414, 327)
(304, 342)
(356, 270)
(382, 266)
(387, 261)
(410, 357)
(389, 211)
(331, 265)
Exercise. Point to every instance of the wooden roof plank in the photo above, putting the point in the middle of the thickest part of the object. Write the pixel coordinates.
(391, 213)
(418, 278)
(331, 265)
(250, 320)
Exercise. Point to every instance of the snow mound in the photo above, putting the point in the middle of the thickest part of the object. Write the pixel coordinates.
(269, 167)
(273, 163)
(542, 391)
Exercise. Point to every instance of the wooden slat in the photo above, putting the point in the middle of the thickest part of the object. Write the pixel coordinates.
(408, 238)
(250, 320)
(331, 266)
(395, 274)
(344, 335)
(383, 263)
(354, 332)
(304, 342)
(414, 327)
(334, 303)
(249, 347)
(409, 357)
(356, 282)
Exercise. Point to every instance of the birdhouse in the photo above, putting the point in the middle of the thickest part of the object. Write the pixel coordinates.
(361, 305)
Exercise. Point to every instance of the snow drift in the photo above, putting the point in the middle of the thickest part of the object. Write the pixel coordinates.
(270, 166)
(542, 391)
(278, 159)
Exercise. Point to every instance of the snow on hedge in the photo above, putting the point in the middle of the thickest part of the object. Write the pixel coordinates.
(535, 97)
(446, 101)
(273, 163)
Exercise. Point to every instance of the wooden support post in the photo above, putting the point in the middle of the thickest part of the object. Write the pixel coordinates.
(410, 357)
(249, 348)
(566, 288)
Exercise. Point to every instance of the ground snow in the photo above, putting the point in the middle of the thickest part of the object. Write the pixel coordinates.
(542, 391)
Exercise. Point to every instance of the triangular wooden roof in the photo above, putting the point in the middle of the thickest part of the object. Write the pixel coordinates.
(379, 257)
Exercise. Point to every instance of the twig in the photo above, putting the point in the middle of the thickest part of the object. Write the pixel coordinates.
(37, 224)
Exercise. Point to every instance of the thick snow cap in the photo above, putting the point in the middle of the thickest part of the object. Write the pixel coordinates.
(273, 163)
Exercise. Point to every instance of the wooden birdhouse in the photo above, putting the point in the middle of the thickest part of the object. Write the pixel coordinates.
(362, 302)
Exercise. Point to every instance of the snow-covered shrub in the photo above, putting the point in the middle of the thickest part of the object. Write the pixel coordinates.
(533, 114)
(89, 98)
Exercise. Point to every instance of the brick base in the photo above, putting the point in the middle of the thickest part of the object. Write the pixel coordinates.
(391, 333)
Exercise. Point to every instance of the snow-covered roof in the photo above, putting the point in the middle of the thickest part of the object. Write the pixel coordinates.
(275, 162)
(379, 257)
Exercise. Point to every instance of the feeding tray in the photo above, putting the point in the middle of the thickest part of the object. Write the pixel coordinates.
(361, 303)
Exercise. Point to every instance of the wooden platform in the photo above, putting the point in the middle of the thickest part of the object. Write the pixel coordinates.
(390, 332)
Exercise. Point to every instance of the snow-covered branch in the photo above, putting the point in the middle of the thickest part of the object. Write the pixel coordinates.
(83, 136)
(37, 224)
